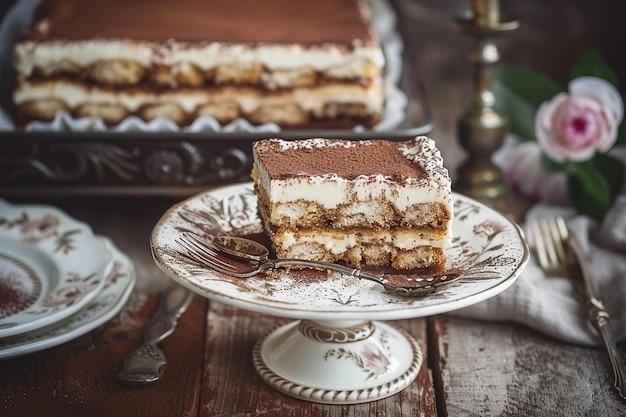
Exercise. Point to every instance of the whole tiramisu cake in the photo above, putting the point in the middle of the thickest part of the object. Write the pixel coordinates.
(362, 203)
(300, 64)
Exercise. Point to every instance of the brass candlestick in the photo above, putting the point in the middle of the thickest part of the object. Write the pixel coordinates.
(481, 129)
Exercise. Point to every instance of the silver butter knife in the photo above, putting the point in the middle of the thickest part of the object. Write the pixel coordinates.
(143, 366)
(598, 315)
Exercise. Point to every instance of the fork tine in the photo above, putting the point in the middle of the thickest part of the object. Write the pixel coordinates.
(209, 263)
(550, 238)
(560, 235)
(562, 226)
(197, 243)
(196, 240)
(204, 254)
(540, 245)
(204, 246)
(551, 242)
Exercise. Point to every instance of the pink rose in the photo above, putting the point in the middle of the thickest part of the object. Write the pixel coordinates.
(575, 126)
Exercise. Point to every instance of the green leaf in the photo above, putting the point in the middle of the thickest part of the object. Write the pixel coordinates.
(589, 194)
(519, 91)
(592, 64)
(552, 165)
(613, 171)
(595, 184)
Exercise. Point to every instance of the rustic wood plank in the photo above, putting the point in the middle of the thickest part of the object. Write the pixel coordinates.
(78, 378)
(505, 369)
(231, 386)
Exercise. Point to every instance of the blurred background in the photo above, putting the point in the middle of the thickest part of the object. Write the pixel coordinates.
(552, 35)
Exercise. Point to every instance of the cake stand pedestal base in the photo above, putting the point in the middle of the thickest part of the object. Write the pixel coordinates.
(338, 362)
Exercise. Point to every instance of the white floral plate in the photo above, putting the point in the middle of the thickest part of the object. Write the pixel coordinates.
(487, 247)
(50, 266)
(118, 286)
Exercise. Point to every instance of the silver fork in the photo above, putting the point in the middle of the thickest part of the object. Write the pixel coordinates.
(143, 366)
(202, 253)
(560, 253)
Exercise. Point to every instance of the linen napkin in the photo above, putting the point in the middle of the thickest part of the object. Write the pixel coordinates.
(551, 304)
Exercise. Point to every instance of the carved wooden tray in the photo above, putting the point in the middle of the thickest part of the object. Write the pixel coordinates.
(172, 163)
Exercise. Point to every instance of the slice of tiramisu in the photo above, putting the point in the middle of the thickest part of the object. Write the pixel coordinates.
(363, 203)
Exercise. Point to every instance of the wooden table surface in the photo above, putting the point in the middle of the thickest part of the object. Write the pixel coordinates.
(470, 368)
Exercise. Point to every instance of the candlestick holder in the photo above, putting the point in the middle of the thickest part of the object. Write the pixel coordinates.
(481, 129)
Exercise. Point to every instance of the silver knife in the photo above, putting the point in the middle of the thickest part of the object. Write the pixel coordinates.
(598, 315)
(143, 366)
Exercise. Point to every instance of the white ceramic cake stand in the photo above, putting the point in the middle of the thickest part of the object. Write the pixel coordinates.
(339, 350)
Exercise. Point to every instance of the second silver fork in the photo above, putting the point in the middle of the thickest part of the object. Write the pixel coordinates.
(560, 252)
(143, 366)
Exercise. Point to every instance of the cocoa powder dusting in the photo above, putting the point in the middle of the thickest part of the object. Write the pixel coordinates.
(347, 159)
(14, 297)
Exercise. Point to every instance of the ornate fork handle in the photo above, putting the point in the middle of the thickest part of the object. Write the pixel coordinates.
(598, 315)
(285, 263)
(424, 283)
(600, 319)
(143, 365)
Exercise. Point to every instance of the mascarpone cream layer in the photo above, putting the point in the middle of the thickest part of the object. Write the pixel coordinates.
(249, 99)
(338, 243)
(332, 190)
(54, 55)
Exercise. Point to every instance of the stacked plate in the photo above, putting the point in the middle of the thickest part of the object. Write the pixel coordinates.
(58, 280)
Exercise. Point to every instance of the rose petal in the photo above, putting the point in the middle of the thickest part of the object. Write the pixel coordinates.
(602, 91)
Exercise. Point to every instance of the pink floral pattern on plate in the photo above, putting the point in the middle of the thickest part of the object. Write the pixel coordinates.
(66, 259)
(374, 358)
(110, 300)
